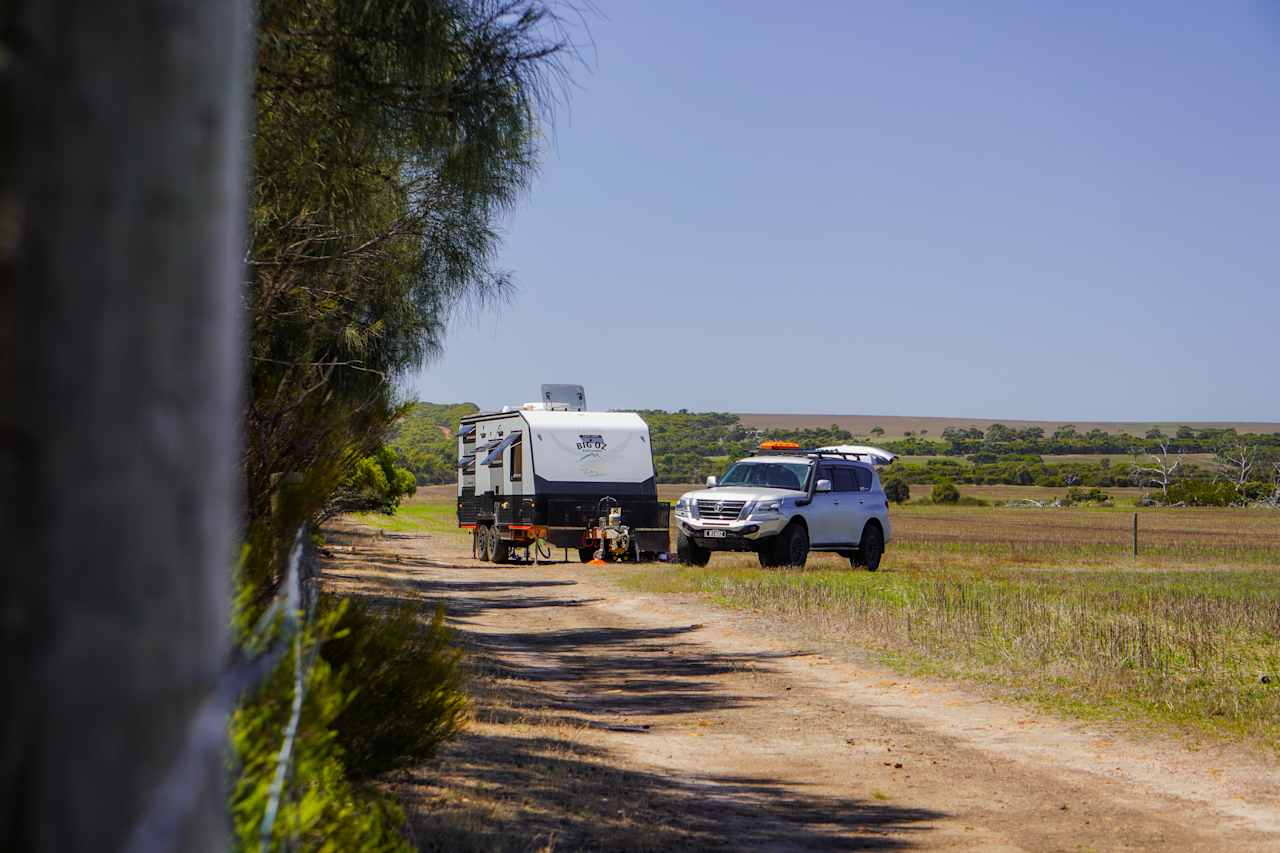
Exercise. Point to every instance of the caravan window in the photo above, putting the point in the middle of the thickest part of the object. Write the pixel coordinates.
(517, 461)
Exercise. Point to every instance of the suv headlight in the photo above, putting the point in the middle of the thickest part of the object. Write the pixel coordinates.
(684, 508)
(767, 509)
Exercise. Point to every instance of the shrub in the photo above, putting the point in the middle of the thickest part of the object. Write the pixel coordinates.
(408, 684)
(375, 484)
(970, 500)
(1076, 495)
(384, 690)
(1202, 493)
(896, 489)
(1254, 491)
(945, 492)
(320, 808)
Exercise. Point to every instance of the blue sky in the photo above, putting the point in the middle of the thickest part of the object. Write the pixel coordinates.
(1017, 210)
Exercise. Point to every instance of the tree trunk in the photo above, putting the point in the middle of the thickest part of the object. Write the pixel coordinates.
(121, 246)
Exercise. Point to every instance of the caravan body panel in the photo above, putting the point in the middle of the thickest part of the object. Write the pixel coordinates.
(584, 452)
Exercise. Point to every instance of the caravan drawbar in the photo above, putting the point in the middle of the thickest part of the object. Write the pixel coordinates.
(552, 475)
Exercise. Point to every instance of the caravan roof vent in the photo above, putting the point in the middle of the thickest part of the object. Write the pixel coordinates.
(570, 397)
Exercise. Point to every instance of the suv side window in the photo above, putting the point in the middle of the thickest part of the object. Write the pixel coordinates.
(844, 481)
(826, 472)
(864, 479)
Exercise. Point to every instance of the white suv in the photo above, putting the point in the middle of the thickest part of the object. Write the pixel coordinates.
(782, 505)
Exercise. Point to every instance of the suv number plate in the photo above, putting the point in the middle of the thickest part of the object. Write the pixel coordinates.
(714, 534)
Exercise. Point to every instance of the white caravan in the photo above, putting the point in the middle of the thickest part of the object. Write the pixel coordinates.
(551, 474)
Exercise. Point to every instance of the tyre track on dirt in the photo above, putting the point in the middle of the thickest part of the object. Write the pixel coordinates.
(615, 721)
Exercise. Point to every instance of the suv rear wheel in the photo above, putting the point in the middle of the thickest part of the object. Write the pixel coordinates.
(870, 551)
(690, 552)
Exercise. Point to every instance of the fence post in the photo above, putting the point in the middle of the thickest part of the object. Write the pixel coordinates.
(122, 180)
(1135, 536)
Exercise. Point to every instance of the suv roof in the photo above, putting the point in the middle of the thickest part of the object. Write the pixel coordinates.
(810, 455)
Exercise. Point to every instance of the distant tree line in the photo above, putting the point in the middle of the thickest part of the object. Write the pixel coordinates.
(690, 446)
(1001, 440)
(425, 441)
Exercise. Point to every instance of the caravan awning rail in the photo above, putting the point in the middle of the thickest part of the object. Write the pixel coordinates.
(496, 453)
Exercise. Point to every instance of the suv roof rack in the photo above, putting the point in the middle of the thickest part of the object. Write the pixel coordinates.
(813, 451)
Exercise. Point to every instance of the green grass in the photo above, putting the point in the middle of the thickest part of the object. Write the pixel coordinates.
(414, 517)
(1185, 649)
(924, 460)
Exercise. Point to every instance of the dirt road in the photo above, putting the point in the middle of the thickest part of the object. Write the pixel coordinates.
(607, 720)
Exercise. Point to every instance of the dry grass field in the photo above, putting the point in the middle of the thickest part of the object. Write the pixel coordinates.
(1202, 538)
(1046, 606)
(1049, 606)
(1121, 461)
(999, 493)
(1002, 493)
(896, 426)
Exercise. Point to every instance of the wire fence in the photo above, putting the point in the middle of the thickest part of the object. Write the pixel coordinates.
(179, 792)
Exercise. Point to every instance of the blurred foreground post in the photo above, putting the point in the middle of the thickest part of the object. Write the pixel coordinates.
(121, 246)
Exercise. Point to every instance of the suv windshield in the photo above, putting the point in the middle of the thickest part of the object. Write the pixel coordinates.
(774, 475)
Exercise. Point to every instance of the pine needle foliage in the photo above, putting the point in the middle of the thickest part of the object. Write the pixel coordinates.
(390, 136)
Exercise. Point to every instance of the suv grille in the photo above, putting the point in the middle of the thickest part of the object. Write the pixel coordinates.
(720, 510)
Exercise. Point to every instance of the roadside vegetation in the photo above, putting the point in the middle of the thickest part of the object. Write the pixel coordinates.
(383, 690)
(388, 140)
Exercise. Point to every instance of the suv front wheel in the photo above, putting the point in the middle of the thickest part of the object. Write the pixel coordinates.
(788, 548)
(690, 552)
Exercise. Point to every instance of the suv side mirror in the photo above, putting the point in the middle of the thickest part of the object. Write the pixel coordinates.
(824, 485)
(711, 482)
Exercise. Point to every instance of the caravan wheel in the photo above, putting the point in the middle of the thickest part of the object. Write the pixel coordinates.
(492, 542)
(482, 544)
(501, 550)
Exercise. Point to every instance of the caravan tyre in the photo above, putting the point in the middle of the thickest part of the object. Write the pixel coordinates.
(482, 544)
(501, 549)
(494, 544)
